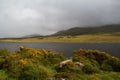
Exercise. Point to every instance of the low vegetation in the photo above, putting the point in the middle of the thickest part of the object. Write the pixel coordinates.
(34, 64)
(96, 38)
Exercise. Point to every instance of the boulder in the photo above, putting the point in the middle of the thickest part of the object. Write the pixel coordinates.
(80, 65)
(64, 62)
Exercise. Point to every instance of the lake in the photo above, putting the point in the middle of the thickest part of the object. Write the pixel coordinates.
(66, 48)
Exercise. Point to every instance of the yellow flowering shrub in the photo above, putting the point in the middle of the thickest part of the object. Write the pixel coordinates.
(22, 61)
(35, 52)
(42, 64)
(15, 55)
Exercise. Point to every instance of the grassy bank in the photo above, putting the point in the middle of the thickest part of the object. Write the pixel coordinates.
(42, 64)
(98, 38)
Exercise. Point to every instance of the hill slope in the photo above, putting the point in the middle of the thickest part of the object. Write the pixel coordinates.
(89, 30)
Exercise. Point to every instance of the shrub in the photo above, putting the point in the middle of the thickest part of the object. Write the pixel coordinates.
(33, 72)
(91, 55)
(114, 63)
(4, 53)
(33, 64)
(106, 67)
(97, 58)
(3, 75)
(89, 69)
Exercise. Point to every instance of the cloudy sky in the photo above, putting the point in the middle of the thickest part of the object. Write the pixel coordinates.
(24, 17)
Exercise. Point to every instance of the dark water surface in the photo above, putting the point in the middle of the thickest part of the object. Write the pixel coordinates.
(66, 48)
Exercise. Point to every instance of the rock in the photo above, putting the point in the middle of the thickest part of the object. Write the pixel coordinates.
(79, 64)
(64, 62)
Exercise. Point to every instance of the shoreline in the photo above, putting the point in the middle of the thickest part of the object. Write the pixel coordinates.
(104, 38)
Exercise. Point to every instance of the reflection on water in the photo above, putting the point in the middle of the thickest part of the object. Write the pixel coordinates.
(66, 48)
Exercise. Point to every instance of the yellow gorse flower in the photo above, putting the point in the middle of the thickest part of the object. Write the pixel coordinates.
(15, 55)
(22, 61)
(35, 51)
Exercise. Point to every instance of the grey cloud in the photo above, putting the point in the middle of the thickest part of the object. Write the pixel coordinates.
(24, 17)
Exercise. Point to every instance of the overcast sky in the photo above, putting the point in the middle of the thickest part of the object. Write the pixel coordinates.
(23, 17)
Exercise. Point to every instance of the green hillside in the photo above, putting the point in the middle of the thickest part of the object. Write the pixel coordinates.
(89, 30)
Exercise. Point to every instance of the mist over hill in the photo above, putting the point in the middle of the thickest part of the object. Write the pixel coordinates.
(113, 28)
(106, 29)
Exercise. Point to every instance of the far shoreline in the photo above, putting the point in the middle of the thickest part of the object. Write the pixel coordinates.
(98, 38)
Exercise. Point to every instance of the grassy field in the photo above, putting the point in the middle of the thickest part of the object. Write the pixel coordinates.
(98, 38)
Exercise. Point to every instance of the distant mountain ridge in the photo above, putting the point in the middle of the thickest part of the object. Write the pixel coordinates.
(77, 31)
(32, 36)
(89, 30)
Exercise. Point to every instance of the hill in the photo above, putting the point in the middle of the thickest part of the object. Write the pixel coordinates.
(103, 34)
(33, 36)
(89, 30)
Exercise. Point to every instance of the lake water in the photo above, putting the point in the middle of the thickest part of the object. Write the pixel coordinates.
(66, 48)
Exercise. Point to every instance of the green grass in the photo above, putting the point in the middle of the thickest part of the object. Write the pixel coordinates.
(101, 76)
(97, 38)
